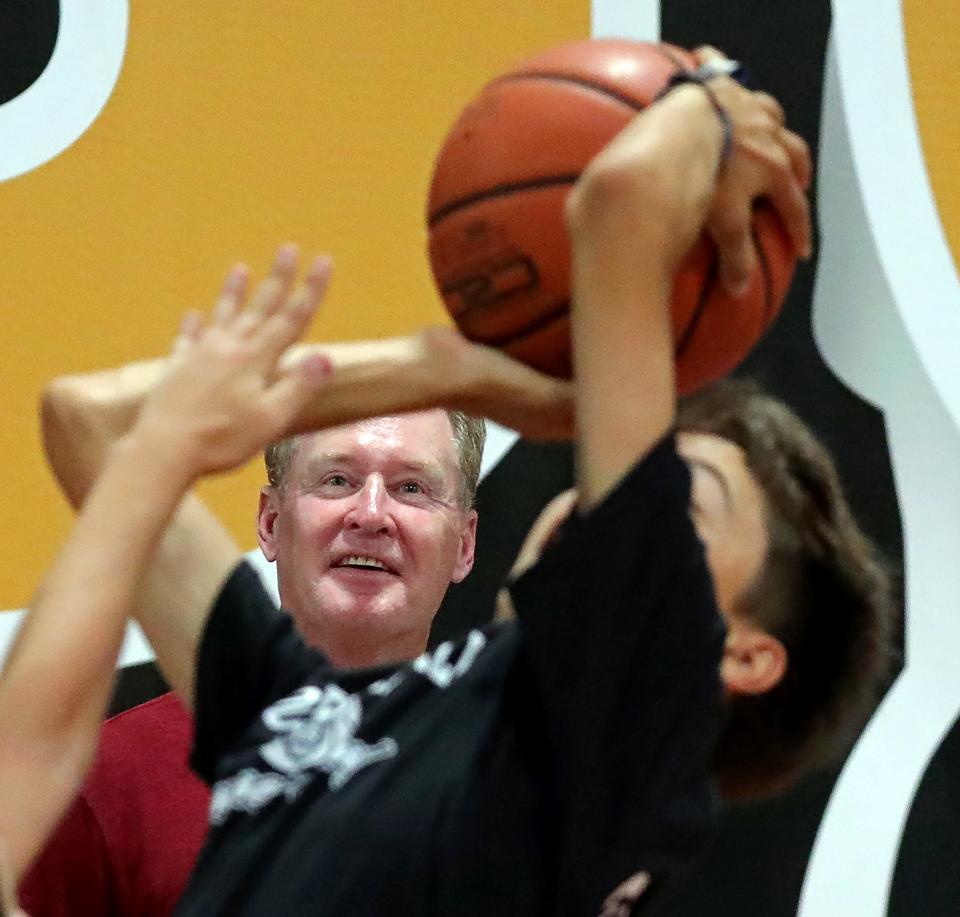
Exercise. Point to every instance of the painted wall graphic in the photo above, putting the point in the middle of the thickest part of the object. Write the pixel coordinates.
(157, 144)
(143, 147)
(867, 84)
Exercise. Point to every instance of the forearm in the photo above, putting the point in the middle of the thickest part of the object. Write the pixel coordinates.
(438, 368)
(83, 415)
(633, 216)
(64, 657)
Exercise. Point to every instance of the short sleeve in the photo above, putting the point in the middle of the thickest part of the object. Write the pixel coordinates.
(621, 639)
(249, 656)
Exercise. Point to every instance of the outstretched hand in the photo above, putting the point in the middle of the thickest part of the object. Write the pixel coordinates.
(766, 161)
(228, 391)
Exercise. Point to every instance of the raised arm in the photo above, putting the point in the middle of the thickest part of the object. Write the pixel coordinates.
(667, 162)
(221, 399)
(81, 415)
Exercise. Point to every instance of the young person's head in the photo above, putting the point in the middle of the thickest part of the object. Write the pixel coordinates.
(369, 523)
(820, 591)
(808, 605)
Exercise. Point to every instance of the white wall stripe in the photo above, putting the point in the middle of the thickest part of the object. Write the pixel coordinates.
(639, 19)
(75, 85)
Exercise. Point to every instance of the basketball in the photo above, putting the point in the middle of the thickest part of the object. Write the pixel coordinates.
(498, 244)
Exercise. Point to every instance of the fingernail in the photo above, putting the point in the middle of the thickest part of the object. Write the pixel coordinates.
(238, 274)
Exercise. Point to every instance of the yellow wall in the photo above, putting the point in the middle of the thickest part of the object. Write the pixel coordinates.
(234, 127)
(932, 30)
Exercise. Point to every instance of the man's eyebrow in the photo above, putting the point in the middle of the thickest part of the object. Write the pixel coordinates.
(318, 462)
(323, 459)
(717, 475)
(421, 467)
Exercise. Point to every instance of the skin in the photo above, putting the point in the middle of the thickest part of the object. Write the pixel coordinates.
(728, 508)
(386, 489)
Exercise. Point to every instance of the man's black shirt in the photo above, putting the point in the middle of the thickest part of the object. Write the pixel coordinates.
(526, 769)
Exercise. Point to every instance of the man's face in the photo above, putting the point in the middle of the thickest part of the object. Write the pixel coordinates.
(368, 534)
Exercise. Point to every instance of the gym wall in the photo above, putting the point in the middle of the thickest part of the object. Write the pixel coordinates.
(142, 150)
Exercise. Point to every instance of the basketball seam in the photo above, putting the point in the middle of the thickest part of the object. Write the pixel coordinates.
(600, 88)
(767, 279)
(679, 64)
(538, 324)
(706, 291)
(499, 191)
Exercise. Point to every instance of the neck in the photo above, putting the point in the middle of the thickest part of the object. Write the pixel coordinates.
(347, 649)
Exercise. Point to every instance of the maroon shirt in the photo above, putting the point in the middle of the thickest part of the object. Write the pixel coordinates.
(128, 843)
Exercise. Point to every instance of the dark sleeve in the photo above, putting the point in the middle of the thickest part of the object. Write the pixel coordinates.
(621, 642)
(249, 656)
(73, 874)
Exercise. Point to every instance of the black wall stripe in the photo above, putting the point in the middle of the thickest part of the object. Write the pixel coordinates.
(28, 33)
(759, 859)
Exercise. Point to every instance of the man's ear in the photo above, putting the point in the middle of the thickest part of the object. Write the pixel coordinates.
(267, 513)
(754, 661)
(468, 547)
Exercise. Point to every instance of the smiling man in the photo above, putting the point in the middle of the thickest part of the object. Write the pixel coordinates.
(369, 524)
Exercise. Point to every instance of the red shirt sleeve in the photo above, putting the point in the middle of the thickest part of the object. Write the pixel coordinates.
(128, 844)
(72, 874)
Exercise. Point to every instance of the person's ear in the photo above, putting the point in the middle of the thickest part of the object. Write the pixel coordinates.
(267, 513)
(754, 662)
(468, 547)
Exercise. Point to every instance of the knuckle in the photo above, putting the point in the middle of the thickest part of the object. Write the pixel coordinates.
(772, 106)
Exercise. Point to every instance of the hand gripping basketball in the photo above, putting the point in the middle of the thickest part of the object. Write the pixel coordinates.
(497, 237)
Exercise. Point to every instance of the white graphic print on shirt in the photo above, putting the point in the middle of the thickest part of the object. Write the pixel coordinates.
(315, 731)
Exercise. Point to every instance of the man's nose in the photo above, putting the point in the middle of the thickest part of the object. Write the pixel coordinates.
(371, 510)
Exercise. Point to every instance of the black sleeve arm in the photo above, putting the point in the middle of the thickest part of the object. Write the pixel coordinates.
(621, 642)
(249, 656)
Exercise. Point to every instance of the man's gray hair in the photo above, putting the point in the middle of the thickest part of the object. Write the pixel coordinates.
(469, 435)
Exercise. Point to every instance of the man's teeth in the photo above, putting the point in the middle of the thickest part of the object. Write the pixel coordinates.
(357, 561)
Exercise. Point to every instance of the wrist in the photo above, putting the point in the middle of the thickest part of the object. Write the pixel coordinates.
(162, 456)
(702, 78)
(714, 129)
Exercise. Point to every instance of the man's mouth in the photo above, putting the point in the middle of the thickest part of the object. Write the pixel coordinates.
(362, 562)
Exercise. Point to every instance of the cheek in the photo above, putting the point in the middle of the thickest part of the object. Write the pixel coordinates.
(437, 543)
(735, 565)
(723, 578)
(309, 525)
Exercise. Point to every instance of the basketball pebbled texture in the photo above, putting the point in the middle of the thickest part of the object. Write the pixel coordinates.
(498, 243)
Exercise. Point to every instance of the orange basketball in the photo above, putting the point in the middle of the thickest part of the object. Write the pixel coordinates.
(498, 243)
